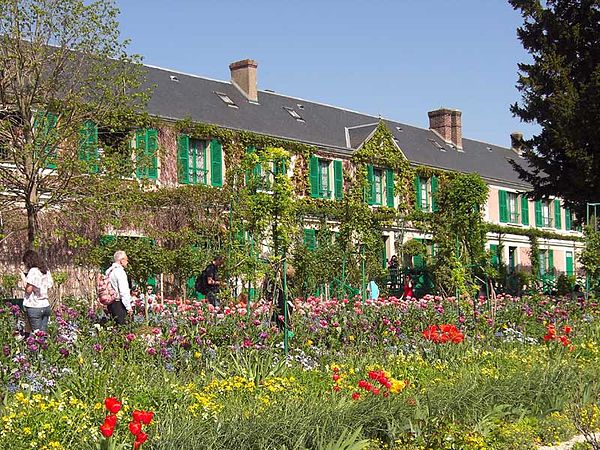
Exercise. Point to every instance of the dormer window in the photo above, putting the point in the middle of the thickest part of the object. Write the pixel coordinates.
(226, 99)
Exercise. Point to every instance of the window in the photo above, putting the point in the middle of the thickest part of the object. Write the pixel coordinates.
(546, 221)
(514, 208)
(378, 186)
(543, 260)
(380, 189)
(425, 188)
(324, 191)
(568, 219)
(292, 112)
(226, 99)
(325, 174)
(512, 259)
(193, 161)
(546, 263)
(544, 210)
(199, 161)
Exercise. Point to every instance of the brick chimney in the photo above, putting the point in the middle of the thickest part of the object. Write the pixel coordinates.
(516, 142)
(243, 76)
(447, 123)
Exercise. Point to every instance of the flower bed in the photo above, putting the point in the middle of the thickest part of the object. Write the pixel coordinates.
(390, 373)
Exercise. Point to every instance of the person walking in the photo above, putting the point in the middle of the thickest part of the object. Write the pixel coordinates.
(213, 282)
(37, 282)
(121, 307)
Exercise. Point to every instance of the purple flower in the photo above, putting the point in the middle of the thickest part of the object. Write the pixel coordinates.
(97, 348)
(64, 352)
(6, 350)
(151, 351)
(130, 337)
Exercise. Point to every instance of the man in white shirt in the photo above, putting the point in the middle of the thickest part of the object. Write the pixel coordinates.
(120, 308)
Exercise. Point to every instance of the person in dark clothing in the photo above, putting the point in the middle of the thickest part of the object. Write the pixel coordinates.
(273, 290)
(213, 280)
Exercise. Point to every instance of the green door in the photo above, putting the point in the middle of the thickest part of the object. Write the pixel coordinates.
(569, 263)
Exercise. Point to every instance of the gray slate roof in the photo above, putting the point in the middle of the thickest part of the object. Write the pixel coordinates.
(326, 126)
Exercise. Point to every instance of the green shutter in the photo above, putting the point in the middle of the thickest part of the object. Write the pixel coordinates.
(567, 219)
(140, 154)
(569, 263)
(338, 180)
(418, 192)
(371, 185)
(418, 260)
(88, 144)
(538, 214)
(314, 176)
(557, 215)
(216, 163)
(495, 256)
(550, 262)
(310, 238)
(152, 153)
(434, 188)
(524, 210)
(384, 253)
(389, 187)
(183, 162)
(45, 125)
(503, 203)
(280, 167)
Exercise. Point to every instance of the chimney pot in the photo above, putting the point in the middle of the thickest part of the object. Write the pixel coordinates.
(447, 123)
(516, 142)
(243, 76)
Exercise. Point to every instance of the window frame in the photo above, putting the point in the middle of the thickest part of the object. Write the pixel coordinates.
(195, 174)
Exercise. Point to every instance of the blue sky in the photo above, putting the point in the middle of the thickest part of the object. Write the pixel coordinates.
(394, 58)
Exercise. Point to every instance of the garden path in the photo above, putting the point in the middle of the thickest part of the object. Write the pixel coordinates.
(568, 445)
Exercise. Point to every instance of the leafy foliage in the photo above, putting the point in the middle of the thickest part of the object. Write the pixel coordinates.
(561, 93)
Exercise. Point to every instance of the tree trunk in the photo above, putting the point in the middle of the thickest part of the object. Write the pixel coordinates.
(32, 224)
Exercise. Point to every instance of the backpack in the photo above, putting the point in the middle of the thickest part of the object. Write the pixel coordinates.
(201, 284)
(106, 293)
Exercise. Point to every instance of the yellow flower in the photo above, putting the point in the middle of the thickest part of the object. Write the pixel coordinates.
(197, 355)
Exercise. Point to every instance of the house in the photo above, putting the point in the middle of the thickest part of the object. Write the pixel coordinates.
(337, 133)
(334, 135)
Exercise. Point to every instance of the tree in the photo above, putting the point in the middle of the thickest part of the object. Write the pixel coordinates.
(459, 231)
(561, 92)
(64, 70)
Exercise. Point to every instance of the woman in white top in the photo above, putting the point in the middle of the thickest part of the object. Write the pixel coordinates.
(37, 282)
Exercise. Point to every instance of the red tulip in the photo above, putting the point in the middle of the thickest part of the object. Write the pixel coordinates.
(567, 329)
(107, 430)
(335, 377)
(112, 404)
(135, 427)
(141, 437)
(111, 419)
(355, 396)
(146, 417)
(336, 388)
(137, 415)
